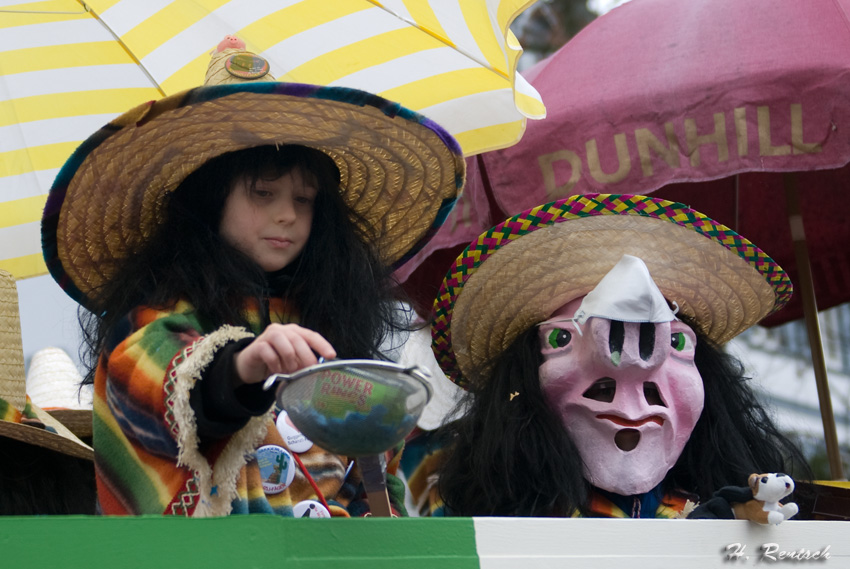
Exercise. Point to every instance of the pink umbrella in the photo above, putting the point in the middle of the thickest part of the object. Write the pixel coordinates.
(725, 105)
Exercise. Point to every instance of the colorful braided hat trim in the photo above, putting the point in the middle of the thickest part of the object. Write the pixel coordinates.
(717, 277)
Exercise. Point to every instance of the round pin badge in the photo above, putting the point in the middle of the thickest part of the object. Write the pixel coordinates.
(310, 509)
(277, 468)
(295, 440)
(246, 66)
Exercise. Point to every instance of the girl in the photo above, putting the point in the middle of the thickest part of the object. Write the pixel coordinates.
(219, 236)
(587, 334)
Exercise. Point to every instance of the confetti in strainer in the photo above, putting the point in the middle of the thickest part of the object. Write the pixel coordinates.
(354, 407)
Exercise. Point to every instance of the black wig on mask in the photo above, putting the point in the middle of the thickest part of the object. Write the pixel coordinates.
(338, 283)
(511, 456)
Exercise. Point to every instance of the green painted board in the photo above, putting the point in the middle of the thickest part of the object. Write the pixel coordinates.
(244, 542)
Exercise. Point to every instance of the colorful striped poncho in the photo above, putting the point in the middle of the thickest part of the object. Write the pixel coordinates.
(669, 506)
(148, 456)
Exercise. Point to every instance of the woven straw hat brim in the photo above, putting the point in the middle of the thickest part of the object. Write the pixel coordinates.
(63, 440)
(518, 273)
(398, 169)
(78, 421)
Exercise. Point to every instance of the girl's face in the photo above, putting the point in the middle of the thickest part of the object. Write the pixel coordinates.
(270, 220)
(629, 395)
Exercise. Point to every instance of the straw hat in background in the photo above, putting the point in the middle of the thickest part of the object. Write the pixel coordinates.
(53, 383)
(20, 418)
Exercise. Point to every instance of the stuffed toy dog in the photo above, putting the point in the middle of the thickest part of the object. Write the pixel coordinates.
(757, 502)
(765, 508)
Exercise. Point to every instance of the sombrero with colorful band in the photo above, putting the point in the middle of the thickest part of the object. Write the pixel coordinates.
(518, 273)
(20, 419)
(400, 171)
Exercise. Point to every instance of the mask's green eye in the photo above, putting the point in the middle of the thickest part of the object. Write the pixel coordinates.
(558, 338)
(677, 340)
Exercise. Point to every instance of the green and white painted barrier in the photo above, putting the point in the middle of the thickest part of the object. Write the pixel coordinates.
(267, 542)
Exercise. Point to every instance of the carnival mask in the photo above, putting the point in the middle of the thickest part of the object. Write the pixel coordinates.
(618, 368)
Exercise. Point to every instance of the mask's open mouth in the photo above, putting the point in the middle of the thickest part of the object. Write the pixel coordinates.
(627, 439)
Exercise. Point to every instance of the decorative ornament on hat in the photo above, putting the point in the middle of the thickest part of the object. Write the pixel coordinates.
(230, 63)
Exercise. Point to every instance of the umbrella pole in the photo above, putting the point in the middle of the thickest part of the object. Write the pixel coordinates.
(810, 309)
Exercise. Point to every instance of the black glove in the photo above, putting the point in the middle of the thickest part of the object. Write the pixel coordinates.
(719, 506)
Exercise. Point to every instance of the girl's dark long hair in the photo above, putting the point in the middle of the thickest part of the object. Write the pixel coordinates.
(513, 457)
(339, 285)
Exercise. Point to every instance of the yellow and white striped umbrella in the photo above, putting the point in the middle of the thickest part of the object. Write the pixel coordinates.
(67, 67)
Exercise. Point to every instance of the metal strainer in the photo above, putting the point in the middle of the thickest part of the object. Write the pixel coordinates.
(354, 407)
(357, 408)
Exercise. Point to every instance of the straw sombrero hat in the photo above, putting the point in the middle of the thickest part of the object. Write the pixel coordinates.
(518, 273)
(20, 419)
(400, 171)
(53, 383)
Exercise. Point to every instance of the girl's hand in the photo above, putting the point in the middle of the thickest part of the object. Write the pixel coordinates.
(281, 348)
